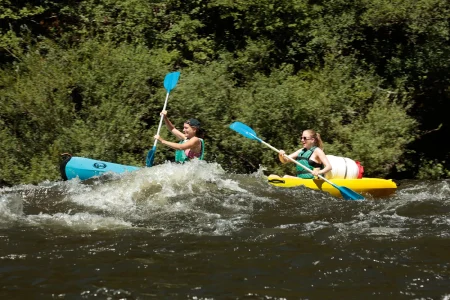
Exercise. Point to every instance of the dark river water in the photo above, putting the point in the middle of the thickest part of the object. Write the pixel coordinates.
(194, 231)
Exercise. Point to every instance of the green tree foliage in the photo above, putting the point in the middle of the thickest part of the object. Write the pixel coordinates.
(86, 77)
(131, 21)
(344, 103)
(16, 21)
(95, 100)
(404, 41)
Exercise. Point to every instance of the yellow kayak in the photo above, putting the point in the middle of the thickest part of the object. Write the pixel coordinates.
(375, 187)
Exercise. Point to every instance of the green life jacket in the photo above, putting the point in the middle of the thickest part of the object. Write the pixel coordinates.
(181, 157)
(303, 158)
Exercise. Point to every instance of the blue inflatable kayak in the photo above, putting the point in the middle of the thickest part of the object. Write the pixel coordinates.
(85, 168)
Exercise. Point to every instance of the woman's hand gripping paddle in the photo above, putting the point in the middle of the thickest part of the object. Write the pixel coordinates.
(170, 81)
(246, 131)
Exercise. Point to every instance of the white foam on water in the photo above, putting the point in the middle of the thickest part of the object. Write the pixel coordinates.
(164, 187)
(115, 199)
(78, 221)
(11, 208)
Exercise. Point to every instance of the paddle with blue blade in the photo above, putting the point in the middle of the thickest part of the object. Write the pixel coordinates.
(170, 81)
(246, 131)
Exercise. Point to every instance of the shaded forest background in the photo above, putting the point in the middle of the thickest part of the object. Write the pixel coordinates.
(86, 77)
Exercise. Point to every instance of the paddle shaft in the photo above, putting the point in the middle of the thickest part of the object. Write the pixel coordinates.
(161, 120)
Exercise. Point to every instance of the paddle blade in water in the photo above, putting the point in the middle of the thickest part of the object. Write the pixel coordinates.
(170, 81)
(150, 157)
(349, 194)
(244, 130)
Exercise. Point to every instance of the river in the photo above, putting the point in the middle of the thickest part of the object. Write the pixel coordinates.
(194, 231)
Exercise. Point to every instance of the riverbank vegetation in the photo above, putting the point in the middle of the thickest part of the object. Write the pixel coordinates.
(86, 77)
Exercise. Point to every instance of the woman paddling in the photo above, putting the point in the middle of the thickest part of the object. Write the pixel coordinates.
(310, 156)
(191, 143)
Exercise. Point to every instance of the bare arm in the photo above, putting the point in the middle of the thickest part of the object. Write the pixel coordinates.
(171, 127)
(192, 143)
(283, 159)
(321, 157)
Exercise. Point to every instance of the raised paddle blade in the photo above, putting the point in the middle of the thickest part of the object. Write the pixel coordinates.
(244, 130)
(170, 81)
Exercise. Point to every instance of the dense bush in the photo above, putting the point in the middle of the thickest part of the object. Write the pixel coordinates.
(86, 77)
